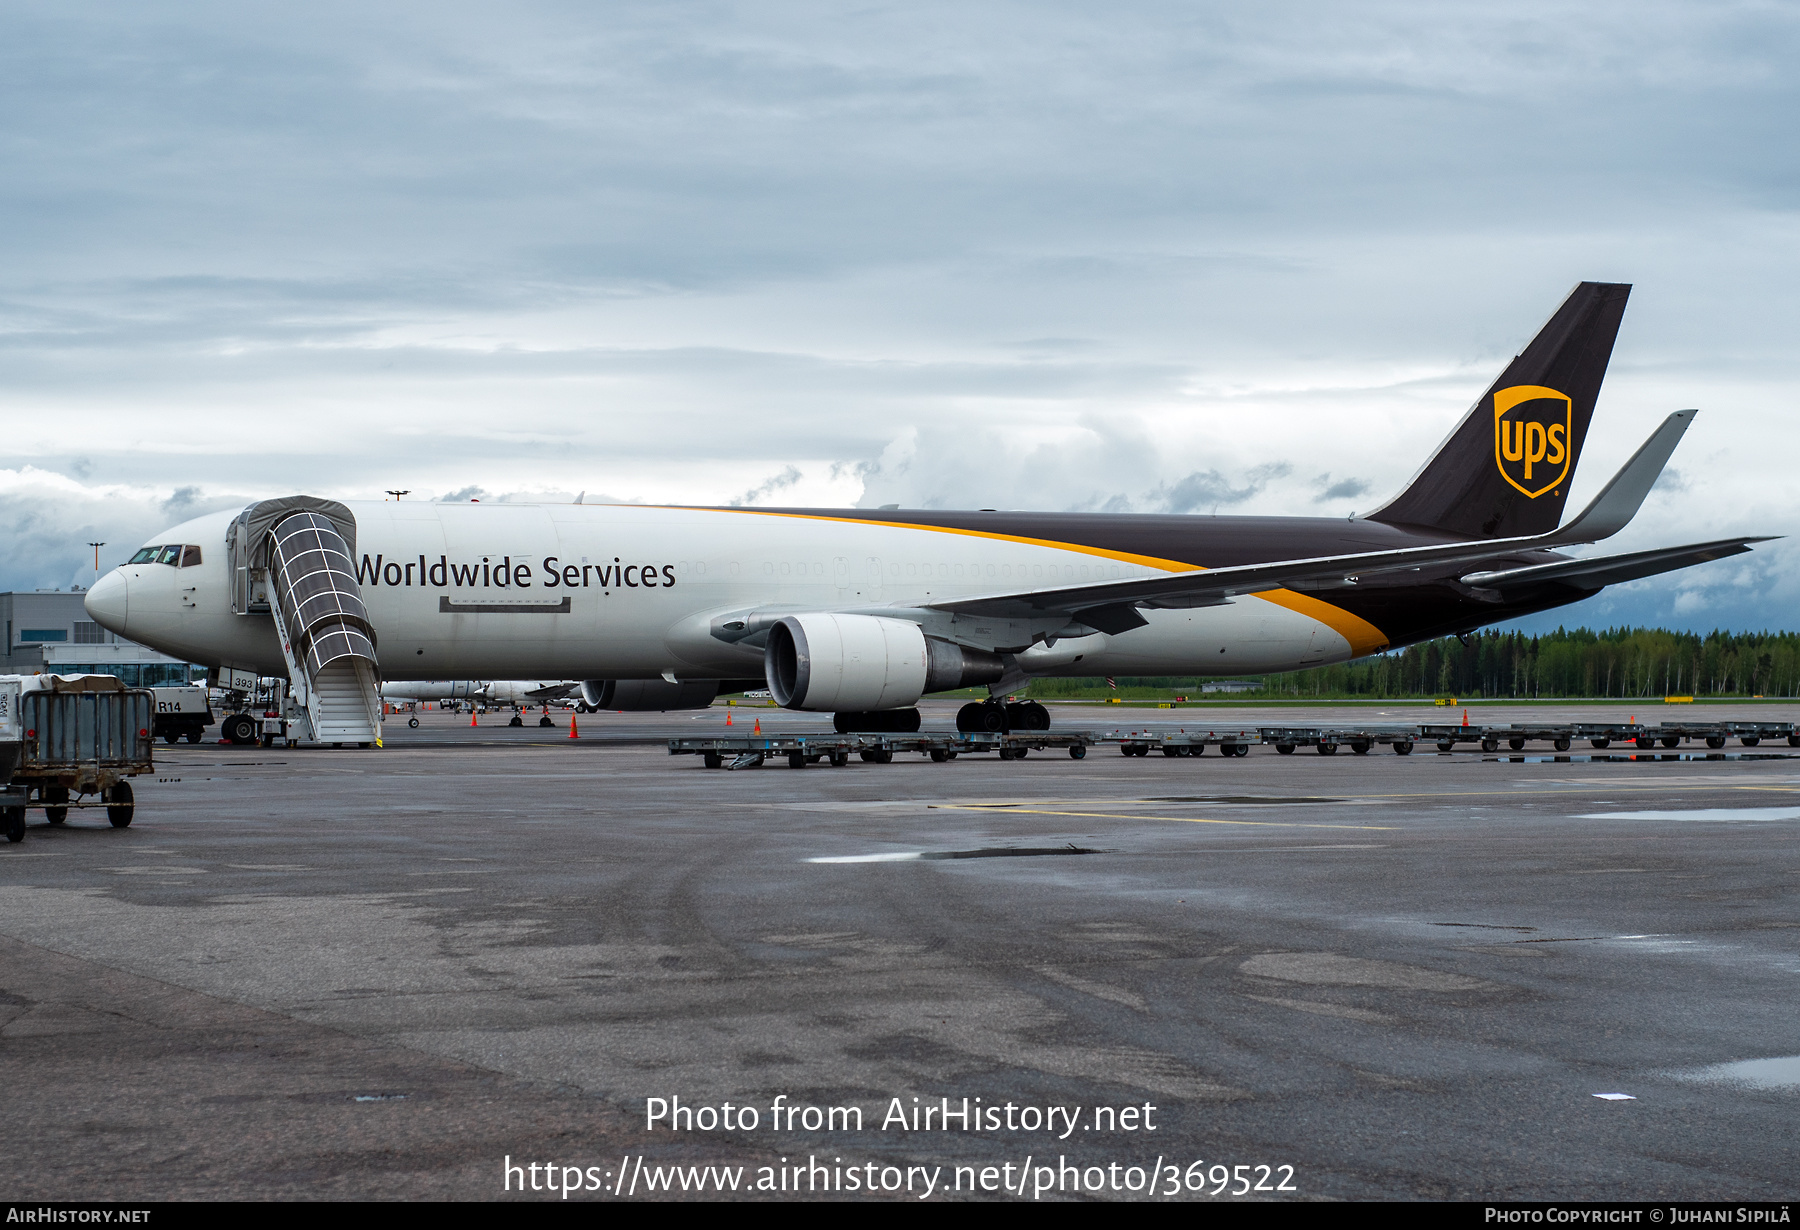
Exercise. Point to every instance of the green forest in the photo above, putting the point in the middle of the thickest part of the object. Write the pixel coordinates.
(1617, 662)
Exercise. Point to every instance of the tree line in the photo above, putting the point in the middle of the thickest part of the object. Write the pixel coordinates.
(1614, 662)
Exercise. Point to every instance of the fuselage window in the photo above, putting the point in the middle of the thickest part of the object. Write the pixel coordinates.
(699, 567)
(912, 570)
(785, 569)
(990, 571)
(190, 556)
(1037, 570)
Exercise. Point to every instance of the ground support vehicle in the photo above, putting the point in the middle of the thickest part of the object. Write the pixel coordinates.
(12, 813)
(1716, 734)
(1560, 735)
(78, 736)
(12, 749)
(1230, 742)
(262, 714)
(1326, 740)
(801, 750)
(182, 712)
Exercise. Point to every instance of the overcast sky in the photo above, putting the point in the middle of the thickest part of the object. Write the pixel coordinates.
(1154, 257)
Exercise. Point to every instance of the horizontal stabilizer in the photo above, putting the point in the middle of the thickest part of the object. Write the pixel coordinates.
(1619, 501)
(1612, 569)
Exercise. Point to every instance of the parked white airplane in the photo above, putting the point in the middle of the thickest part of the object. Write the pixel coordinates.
(482, 691)
(432, 689)
(523, 692)
(860, 612)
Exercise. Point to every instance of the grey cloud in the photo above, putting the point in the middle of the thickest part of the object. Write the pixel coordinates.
(1343, 489)
(47, 522)
(1210, 490)
(181, 500)
(779, 482)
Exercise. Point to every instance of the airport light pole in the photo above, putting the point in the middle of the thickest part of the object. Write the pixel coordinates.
(96, 546)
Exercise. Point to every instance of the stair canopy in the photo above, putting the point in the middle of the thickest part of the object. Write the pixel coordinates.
(292, 558)
(315, 582)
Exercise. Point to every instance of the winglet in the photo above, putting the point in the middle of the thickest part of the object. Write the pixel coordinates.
(1619, 501)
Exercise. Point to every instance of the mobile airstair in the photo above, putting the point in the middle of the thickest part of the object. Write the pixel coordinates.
(291, 557)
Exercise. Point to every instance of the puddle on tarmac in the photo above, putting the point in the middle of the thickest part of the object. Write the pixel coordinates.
(1779, 1073)
(1699, 813)
(989, 852)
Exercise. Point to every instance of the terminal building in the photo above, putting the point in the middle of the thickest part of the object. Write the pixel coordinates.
(48, 631)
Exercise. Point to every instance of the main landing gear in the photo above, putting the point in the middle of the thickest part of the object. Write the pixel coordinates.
(993, 717)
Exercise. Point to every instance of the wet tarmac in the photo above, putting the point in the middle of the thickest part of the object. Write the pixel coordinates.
(383, 973)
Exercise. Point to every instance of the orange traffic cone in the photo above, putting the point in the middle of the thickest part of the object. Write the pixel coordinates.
(472, 717)
(728, 717)
(758, 729)
(573, 732)
(1465, 717)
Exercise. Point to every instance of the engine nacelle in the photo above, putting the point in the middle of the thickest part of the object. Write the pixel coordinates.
(862, 663)
(644, 695)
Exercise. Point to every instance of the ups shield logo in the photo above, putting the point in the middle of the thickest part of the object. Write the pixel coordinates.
(1531, 437)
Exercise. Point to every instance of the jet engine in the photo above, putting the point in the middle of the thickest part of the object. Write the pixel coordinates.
(644, 695)
(861, 663)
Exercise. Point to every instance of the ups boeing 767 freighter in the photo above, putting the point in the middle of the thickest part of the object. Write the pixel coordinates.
(860, 612)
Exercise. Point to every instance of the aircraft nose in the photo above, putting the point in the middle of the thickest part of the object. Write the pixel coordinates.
(108, 601)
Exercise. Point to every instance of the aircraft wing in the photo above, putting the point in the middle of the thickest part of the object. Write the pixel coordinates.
(1613, 569)
(1109, 606)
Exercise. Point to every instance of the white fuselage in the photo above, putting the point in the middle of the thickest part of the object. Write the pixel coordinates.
(631, 592)
(432, 689)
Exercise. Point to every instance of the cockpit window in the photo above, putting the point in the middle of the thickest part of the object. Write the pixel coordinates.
(177, 555)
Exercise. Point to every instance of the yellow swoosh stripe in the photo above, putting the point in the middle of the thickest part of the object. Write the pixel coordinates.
(1364, 637)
